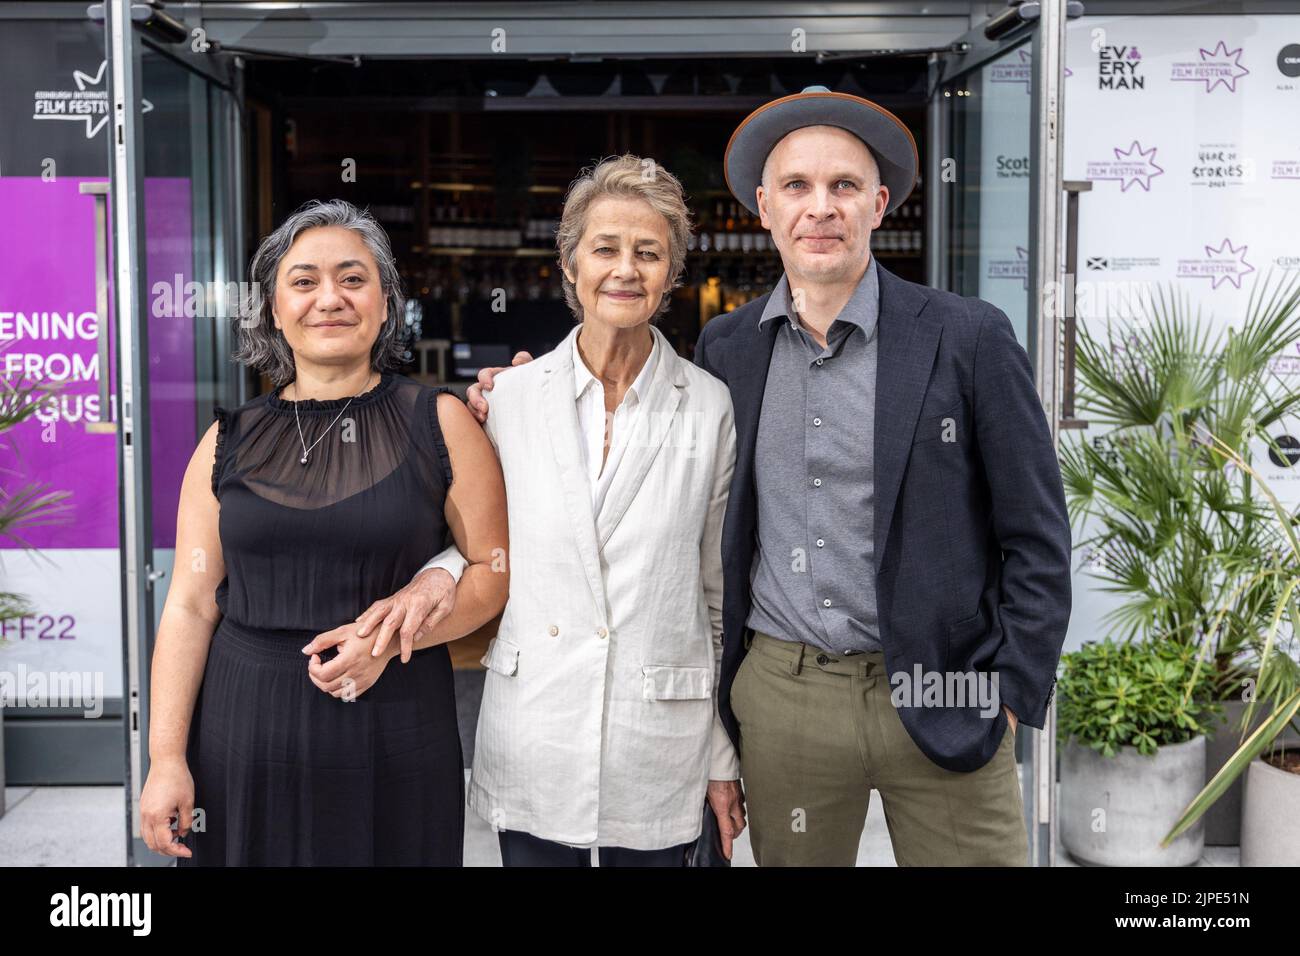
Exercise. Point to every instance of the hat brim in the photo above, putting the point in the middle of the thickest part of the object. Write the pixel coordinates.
(890, 141)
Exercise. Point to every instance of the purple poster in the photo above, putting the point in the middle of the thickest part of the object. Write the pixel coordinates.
(49, 332)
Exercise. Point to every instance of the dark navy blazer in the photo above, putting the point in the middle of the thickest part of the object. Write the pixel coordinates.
(972, 539)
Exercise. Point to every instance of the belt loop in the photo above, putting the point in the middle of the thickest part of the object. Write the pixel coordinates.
(796, 665)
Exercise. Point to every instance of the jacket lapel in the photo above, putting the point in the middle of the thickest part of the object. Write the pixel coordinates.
(746, 371)
(905, 354)
(562, 416)
(655, 419)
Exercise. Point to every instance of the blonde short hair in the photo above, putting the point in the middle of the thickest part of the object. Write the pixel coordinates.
(625, 176)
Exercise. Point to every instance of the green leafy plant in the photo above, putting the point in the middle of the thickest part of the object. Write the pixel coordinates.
(1279, 675)
(1133, 693)
(29, 503)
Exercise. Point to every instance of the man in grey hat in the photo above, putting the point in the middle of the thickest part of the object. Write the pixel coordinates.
(896, 547)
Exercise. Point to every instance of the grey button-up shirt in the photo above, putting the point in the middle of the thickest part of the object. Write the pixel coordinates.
(814, 579)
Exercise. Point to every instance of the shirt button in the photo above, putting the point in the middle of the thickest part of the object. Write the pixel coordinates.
(817, 422)
(819, 361)
(817, 482)
(601, 632)
(553, 630)
(821, 543)
(826, 602)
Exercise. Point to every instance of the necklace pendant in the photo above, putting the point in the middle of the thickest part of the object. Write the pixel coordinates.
(303, 459)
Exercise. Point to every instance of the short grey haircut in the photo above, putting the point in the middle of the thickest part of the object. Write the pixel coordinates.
(875, 165)
(261, 345)
(631, 177)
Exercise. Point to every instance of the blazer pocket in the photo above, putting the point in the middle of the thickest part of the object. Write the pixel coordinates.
(670, 682)
(964, 634)
(502, 657)
(931, 427)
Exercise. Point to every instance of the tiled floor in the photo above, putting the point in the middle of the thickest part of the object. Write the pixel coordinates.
(84, 826)
(63, 826)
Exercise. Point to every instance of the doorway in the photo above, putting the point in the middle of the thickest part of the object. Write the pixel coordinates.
(420, 140)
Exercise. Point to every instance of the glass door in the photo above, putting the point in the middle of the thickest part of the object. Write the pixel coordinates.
(176, 249)
(994, 188)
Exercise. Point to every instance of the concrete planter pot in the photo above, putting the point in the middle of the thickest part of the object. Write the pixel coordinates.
(1223, 819)
(1270, 817)
(1115, 810)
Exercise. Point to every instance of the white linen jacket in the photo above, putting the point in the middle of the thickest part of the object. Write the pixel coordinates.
(599, 724)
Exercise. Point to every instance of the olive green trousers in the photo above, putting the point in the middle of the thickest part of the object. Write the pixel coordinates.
(818, 733)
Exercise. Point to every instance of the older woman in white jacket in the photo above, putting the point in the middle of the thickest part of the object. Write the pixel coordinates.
(599, 725)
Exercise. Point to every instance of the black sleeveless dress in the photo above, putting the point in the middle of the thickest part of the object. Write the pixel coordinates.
(285, 774)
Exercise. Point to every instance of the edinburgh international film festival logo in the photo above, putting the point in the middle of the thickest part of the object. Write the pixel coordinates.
(86, 104)
(1132, 166)
(1017, 268)
(1216, 67)
(1227, 263)
(1286, 168)
(1017, 69)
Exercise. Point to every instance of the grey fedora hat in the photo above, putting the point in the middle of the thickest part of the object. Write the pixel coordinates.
(890, 141)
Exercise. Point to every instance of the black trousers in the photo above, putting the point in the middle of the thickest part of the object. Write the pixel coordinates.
(524, 849)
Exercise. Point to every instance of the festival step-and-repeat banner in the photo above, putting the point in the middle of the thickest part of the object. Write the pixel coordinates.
(1189, 130)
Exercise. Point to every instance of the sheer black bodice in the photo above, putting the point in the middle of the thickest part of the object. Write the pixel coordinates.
(309, 547)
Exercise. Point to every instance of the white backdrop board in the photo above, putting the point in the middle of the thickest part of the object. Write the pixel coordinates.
(1189, 129)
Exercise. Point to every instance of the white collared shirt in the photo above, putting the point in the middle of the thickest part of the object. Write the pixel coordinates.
(589, 393)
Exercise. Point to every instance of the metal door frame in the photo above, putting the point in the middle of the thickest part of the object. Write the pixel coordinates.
(1045, 35)
(123, 48)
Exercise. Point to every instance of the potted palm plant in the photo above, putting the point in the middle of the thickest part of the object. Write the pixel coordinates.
(1163, 523)
(1266, 754)
(22, 505)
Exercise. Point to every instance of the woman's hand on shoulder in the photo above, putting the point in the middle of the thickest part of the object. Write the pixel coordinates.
(476, 396)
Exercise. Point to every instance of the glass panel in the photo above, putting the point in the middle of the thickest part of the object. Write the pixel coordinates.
(987, 237)
(182, 260)
(53, 110)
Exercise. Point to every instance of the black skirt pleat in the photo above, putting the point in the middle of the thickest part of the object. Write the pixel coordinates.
(287, 775)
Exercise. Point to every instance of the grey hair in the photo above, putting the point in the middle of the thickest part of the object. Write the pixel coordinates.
(630, 177)
(875, 166)
(261, 345)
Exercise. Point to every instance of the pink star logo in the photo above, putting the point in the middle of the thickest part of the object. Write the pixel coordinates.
(1132, 165)
(1018, 72)
(1219, 65)
(1232, 257)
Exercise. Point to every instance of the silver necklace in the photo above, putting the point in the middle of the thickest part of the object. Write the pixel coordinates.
(306, 449)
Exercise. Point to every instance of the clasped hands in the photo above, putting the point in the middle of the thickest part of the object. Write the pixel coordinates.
(365, 645)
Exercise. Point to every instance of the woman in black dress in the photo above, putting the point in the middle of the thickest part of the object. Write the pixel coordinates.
(298, 511)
